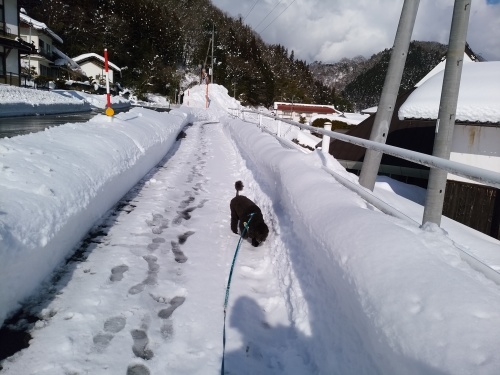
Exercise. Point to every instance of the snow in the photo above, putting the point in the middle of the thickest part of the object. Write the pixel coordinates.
(348, 118)
(307, 139)
(477, 100)
(440, 67)
(19, 101)
(86, 56)
(37, 25)
(337, 288)
(65, 60)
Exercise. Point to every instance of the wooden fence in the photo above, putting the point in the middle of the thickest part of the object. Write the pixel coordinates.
(476, 206)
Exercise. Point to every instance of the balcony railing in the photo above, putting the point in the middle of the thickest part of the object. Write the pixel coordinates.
(10, 78)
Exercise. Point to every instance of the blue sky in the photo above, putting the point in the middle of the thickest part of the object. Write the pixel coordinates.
(326, 30)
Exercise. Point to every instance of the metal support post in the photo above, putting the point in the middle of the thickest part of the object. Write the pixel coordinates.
(445, 123)
(325, 146)
(382, 121)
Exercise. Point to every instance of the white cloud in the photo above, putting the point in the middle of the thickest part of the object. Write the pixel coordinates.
(328, 30)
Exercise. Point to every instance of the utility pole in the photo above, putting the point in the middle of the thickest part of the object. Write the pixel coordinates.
(382, 122)
(213, 40)
(447, 110)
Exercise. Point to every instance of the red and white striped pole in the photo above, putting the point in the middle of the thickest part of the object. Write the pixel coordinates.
(109, 110)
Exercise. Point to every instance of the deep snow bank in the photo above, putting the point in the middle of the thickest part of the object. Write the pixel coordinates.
(18, 101)
(213, 97)
(373, 283)
(80, 171)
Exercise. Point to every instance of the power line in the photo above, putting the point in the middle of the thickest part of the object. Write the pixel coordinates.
(255, 28)
(277, 16)
(250, 11)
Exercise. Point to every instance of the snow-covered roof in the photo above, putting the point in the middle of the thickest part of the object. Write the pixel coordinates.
(440, 67)
(93, 55)
(370, 111)
(37, 25)
(348, 118)
(478, 99)
(66, 60)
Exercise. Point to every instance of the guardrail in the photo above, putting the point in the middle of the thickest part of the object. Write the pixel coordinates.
(481, 175)
(476, 174)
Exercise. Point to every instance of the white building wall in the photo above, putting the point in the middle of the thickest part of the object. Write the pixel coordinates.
(477, 146)
(93, 70)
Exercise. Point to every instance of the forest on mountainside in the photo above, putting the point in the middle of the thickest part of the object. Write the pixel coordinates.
(361, 80)
(159, 41)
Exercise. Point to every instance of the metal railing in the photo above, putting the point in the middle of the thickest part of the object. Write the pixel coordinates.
(477, 174)
(480, 175)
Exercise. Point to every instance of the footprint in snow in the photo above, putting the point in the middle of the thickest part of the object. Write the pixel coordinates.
(153, 269)
(152, 277)
(117, 272)
(183, 237)
(155, 243)
(111, 326)
(167, 329)
(174, 304)
(136, 289)
(138, 369)
(202, 203)
(178, 254)
(183, 215)
(187, 201)
(140, 346)
(158, 223)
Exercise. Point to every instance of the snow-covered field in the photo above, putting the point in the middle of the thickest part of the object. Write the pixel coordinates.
(338, 287)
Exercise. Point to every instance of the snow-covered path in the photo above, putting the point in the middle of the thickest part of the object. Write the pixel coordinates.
(152, 279)
(338, 287)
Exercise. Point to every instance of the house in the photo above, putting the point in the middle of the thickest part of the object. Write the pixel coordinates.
(296, 111)
(92, 65)
(475, 141)
(476, 137)
(11, 44)
(48, 61)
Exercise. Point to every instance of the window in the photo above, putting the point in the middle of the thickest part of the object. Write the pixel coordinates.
(2, 22)
(2, 64)
(42, 46)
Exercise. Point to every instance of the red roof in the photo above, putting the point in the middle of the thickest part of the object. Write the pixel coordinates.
(306, 108)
